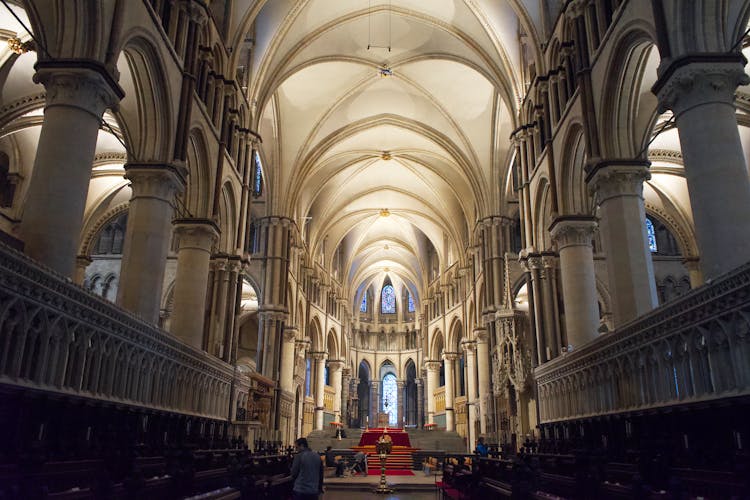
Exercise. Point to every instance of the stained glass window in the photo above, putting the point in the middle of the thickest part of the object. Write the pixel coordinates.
(388, 300)
(411, 304)
(258, 180)
(390, 399)
(307, 378)
(363, 305)
(651, 235)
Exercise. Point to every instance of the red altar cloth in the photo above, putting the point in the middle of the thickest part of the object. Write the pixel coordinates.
(398, 437)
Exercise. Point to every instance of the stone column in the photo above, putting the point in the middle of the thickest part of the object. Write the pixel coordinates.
(483, 376)
(401, 391)
(346, 377)
(82, 262)
(552, 336)
(533, 264)
(420, 402)
(699, 89)
(433, 372)
(147, 236)
(573, 237)
(320, 384)
(374, 402)
(618, 188)
(286, 377)
(334, 371)
(449, 359)
(78, 93)
(470, 348)
(196, 237)
(694, 269)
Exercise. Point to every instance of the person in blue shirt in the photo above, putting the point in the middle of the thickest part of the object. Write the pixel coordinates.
(307, 471)
(482, 449)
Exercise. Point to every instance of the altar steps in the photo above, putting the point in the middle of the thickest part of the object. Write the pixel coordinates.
(400, 457)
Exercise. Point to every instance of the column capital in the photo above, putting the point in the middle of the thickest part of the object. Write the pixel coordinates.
(80, 83)
(197, 234)
(481, 335)
(318, 355)
(432, 365)
(451, 356)
(697, 79)
(155, 180)
(335, 364)
(290, 333)
(573, 230)
(302, 344)
(469, 346)
(609, 179)
(374, 384)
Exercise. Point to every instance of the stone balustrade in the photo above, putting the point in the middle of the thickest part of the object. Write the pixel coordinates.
(693, 349)
(55, 336)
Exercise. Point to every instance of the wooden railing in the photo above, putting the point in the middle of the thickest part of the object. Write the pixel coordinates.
(56, 336)
(693, 349)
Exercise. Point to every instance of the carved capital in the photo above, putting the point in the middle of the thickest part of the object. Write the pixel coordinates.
(451, 356)
(155, 180)
(196, 234)
(570, 231)
(335, 364)
(318, 355)
(81, 84)
(290, 333)
(432, 365)
(693, 80)
(617, 178)
(481, 335)
(469, 346)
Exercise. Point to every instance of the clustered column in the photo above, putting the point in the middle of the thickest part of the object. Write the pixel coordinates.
(374, 402)
(401, 391)
(320, 383)
(286, 378)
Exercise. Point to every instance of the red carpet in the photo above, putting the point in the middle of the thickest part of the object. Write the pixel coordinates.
(398, 437)
(398, 472)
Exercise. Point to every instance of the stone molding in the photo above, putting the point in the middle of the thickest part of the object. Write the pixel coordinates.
(469, 346)
(290, 333)
(570, 231)
(432, 365)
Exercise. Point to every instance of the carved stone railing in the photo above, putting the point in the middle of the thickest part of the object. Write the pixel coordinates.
(696, 348)
(56, 336)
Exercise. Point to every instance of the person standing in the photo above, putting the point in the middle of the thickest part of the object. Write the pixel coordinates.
(307, 472)
(481, 450)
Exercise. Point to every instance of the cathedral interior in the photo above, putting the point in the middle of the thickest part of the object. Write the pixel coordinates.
(228, 224)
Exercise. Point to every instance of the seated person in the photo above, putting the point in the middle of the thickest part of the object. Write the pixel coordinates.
(429, 465)
(360, 462)
(333, 461)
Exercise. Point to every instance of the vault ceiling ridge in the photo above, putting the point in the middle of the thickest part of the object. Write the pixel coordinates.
(407, 13)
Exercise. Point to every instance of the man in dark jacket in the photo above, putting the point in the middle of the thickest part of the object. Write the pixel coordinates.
(307, 471)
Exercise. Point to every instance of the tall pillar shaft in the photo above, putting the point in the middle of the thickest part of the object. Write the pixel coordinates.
(483, 377)
(53, 215)
(286, 377)
(320, 384)
(700, 92)
(420, 402)
(334, 367)
(346, 377)
(470, 351)
(433, 372)
(147, 236)
(573, 237)
(374, 402)
(401, 391)
(449, 359)
(533, 264)
(196, 236)
(618, 187)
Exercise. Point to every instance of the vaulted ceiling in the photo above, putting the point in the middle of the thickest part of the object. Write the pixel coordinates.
(385, 123)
